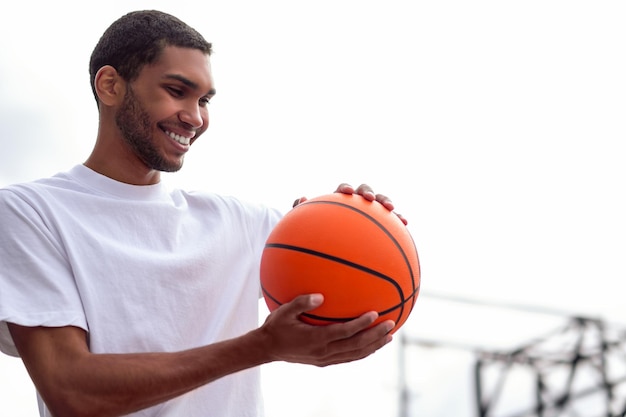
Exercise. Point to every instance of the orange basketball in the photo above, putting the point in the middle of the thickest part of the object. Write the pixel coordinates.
(356, 253)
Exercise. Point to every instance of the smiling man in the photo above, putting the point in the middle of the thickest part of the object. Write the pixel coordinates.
(125, 298)
(149, 116)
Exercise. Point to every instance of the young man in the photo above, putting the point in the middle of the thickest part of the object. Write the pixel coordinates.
(122, 297)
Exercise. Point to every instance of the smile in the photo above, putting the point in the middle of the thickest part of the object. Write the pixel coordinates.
(183, 140)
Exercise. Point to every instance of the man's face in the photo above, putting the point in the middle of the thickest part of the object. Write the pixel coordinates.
(165, 109)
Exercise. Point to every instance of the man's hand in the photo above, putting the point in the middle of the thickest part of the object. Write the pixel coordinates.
(287, 338)
(367, 193)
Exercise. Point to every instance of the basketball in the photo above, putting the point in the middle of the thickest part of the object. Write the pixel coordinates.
(355, 252)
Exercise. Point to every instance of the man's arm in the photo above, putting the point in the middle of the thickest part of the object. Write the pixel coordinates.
(75, 382)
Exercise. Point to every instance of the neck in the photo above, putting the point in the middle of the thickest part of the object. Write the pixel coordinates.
(122, 167)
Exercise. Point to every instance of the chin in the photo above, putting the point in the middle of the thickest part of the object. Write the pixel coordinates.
(169, 168)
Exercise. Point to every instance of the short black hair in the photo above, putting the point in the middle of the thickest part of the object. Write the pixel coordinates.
(137, 39)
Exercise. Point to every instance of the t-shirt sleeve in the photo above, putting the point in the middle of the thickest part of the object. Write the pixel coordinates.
(37, 287)
(261, 222)
(264, 226)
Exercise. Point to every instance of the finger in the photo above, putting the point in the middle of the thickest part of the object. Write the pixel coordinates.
(388, 204)
(303, 303)
(385, 201)
(402, 219)
(366, 191)
(360, 345)
(299, 201)
(351, 328)
(345, 188)
(366, 337)
(358, 354)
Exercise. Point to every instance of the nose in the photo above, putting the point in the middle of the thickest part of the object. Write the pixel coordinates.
(194, 115)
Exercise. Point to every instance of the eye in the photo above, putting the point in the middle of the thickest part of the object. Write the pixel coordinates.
(205, 101)
(175, 92)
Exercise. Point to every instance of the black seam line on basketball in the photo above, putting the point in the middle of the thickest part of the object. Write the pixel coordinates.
(338, 319)
(377, 223)
(341, 319)
(330, 319)
(344, 319)
(412, 296)
(346, 263)
(338, 260)
(267, 294)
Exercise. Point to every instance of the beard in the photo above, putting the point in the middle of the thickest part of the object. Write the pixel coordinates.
(137, 130)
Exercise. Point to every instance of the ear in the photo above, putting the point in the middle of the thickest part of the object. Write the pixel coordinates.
(109, 86)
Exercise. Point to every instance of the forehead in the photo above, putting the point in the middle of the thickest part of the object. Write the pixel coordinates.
(190, 64)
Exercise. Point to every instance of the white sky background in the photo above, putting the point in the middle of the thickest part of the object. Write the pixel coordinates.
(497, 127)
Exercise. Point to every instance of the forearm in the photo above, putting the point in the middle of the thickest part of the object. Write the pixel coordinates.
(78, 383)
(113, 385)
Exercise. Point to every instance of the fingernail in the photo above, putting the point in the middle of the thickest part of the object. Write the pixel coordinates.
(373, 315)
(316, 299)
(390, 325)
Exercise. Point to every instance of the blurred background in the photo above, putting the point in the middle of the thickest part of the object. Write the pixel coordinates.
(497, 128)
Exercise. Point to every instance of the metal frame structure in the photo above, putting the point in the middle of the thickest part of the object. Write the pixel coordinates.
(578, 370)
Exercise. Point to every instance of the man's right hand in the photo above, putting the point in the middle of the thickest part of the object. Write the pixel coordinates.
(287, 338)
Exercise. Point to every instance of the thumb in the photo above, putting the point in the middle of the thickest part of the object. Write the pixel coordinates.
(303, 303)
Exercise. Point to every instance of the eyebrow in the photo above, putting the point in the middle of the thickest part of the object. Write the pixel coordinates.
(188, 83)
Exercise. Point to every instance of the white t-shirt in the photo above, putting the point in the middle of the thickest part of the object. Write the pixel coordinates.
(141, 268)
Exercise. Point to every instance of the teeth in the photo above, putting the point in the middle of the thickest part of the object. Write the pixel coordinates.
(180, 139)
